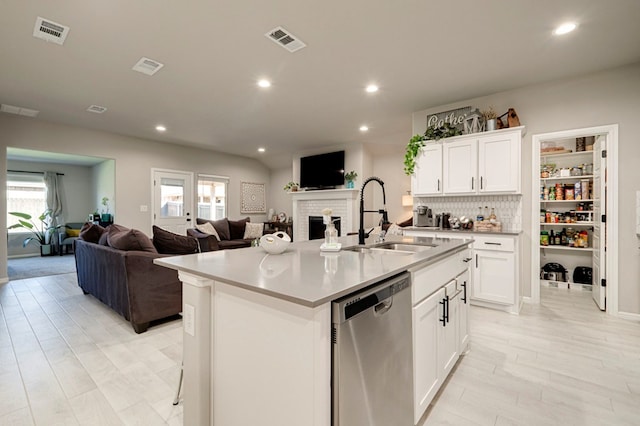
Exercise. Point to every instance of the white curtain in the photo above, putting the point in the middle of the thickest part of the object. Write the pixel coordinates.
(54, 198)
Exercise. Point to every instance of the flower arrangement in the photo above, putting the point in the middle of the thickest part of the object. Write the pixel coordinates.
(350, 176)
(291, 186)
(489, 114)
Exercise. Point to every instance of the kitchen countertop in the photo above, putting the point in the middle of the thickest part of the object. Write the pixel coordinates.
(458, 231)
(305, 275)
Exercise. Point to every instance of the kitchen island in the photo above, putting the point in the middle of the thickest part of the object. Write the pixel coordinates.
(257, 327)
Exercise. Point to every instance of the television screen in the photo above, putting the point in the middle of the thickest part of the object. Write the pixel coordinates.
(322, 171)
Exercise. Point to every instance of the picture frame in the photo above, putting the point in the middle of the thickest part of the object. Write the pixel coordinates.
(252, 197)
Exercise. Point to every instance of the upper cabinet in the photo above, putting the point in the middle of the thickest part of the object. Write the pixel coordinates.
(427, 175)
(480, 163)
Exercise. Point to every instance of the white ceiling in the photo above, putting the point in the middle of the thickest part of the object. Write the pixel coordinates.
(421, 53)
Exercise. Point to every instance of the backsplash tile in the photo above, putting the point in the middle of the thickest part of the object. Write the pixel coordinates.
(508, 208)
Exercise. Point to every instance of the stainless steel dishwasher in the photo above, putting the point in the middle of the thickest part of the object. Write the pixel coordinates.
(372, 382)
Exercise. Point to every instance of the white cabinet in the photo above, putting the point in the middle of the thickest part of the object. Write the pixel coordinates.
(436, 322)
(427, 176)
(499, 163)
(494, 271)
(460, 166)
(427, 329)
(480, 163)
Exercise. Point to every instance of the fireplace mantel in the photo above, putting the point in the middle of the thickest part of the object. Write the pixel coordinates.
(343, 203)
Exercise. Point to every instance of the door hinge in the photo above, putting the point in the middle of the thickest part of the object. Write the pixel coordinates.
(603, 219)
(604, 153)
(603, 282)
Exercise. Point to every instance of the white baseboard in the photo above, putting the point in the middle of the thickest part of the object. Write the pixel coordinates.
(629, 316)
(526, 299)
(4, 280)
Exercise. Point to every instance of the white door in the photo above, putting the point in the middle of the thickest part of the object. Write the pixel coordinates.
(494, 277)
(172, 200)
(599, 196)
(427, 177)
(448, 346)
(460, 166)
(464, 285)
(499, 163)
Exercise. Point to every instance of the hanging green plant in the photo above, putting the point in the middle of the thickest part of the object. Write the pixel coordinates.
(445, 131)
(413, 148)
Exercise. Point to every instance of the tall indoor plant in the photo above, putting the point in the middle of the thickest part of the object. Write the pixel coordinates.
(40, 232)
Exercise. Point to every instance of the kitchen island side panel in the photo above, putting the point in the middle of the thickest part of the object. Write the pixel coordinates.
(271, 360)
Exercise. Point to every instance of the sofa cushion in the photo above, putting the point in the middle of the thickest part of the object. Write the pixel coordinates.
(207, 228)
(131, 239)
(111, 229)
(236, 228)
(234, 244)
(167, 242)
(91, 232)
(221, 225)
(253, 230)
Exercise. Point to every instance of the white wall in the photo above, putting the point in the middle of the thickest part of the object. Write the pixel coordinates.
(604, 98)
(103, 185)
(134, 159)
(278, 199)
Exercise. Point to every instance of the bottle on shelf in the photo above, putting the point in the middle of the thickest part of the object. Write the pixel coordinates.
(492, 216)
(480, 216)
(552, 240)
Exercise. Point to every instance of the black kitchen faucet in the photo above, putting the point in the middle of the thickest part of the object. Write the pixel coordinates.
(361, 233)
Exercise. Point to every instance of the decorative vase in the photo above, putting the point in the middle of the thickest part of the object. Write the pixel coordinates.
(492, 124)
(330, 234)
(106, 217)
(350, 184)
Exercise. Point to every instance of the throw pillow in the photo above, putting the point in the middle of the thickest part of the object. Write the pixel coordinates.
(91, 232)
(113, 228)
(167, 242)
(222, 226)
(253, 230)
(236, 228)
(131, 239)
(208, 228)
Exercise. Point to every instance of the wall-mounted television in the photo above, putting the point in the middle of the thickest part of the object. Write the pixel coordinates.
(322, 171)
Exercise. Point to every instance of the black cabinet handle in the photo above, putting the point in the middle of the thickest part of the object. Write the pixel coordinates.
(443, 320)
(480, 182)
(464, 293)
(476, 260)
(466, 259)
(471, 182)
(438, 185)
(447, 306)
(493, 244)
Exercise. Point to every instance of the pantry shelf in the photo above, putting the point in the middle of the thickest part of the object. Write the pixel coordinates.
(563, 248)
(563, 201)
(565, 225)
(564, 178)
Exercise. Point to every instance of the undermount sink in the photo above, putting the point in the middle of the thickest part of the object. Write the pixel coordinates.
(414, 248)
(396, 248)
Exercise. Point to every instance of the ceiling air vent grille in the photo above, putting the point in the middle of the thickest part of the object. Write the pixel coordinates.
(285, 39)
(147, 66)
(97, 109)
(48, 30)
(11, 109)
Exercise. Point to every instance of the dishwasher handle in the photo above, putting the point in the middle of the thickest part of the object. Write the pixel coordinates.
(382, 307)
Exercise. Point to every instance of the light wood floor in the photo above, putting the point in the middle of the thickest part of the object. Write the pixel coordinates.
(67, 359)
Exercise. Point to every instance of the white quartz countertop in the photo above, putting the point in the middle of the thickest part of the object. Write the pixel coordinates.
(305, 275)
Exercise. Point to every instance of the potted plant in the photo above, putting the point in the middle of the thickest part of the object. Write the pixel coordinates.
(350, 177)
(291, 187)
(40, 232)
(490, 118)
(106, 216)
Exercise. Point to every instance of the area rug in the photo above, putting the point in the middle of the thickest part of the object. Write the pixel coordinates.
(39, 266)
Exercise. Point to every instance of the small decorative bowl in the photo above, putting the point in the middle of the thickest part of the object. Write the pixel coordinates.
(275, 243)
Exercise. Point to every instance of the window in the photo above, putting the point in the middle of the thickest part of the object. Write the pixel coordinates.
(26, 193)
(212, 197)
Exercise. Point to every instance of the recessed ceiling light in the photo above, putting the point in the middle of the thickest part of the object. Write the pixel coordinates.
(261, 150)
(161, 128)
(565, 28)
(372, 88)
(264, 83)
(364, 128)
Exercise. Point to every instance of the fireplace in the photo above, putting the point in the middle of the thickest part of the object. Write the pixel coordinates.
(316, 226)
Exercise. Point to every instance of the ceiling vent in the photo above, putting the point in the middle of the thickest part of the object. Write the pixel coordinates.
(147, 66)
(48, 30)
(10, 109)
(285, 39)
(97, 109)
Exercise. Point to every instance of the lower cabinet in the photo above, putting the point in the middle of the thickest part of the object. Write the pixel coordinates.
(439, 320)
(495, 272)
(463, 282)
